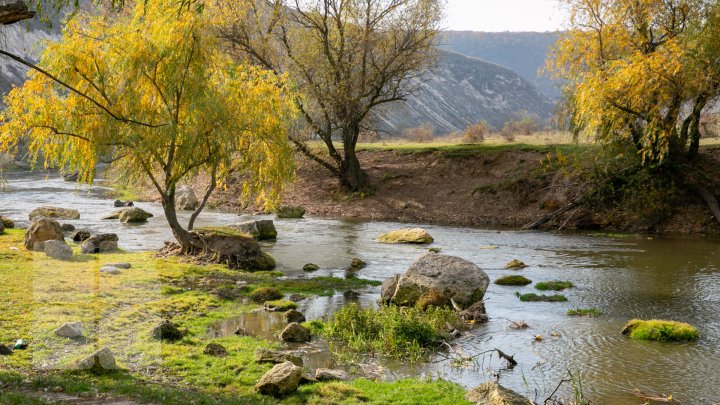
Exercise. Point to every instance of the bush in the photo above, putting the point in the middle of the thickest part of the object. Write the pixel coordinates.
(368, 137)
(553, 285)
(391, 330)
(526, 124)
(475, 133)
(661, 330)
(419, 134)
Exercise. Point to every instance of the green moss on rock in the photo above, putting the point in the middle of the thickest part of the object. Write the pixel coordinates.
(515, 264)
(263, 294)
(553, 285)
(513, 280)
(532, 297)
(660, 330)
(589, 312)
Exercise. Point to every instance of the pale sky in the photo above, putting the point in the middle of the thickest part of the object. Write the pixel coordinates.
(504, 15)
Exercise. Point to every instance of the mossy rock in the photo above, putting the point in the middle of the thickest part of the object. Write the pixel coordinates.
(280, 305)
(589, 312)
(433, 298)
(311, 267)
(532, 297)
(515, 264)
(660, 330)
(7, 222)
(409, 235)
(513, 280)
(264, 262)
(263, 294)
(553, 285)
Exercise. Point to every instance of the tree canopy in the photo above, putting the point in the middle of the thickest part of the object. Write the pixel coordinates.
(346, 57)
(150, 90)
(641, 71)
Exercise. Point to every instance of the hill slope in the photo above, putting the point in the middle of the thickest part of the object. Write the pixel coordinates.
(460, 92)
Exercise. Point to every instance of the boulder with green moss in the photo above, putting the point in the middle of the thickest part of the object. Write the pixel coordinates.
(452, 278)
(660, 330)
(513, 280)
(290, 211)
(515, 264)
(408, 235)
(263, 294)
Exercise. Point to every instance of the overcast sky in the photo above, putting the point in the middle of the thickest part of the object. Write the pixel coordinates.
(504, 15)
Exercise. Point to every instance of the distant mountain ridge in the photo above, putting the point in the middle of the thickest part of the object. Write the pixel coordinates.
(461, 91)
(523, 52)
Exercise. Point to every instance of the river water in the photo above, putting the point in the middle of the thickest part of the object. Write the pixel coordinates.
(630, 277)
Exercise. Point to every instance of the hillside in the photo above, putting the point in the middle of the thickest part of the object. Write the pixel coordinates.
(25, 40)
(463, 90)
(523, 52)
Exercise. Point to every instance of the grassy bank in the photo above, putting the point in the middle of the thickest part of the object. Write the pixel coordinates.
(39, 294)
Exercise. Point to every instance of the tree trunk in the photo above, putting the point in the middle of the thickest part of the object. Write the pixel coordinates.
(352, 175)
(183, 236)
(694, 125)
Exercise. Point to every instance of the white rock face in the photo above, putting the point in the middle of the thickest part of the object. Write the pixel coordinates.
(70, 330)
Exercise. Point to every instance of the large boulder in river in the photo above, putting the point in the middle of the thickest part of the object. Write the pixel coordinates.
(260, 230)
(100, 243)
(134, 215)
(409, 235)
(234, 248)
(185, 199)
(42, 230)
(54, 213)
(282, 379)
(455, 278)
(290, 211)
(57, 249)
(492, 393)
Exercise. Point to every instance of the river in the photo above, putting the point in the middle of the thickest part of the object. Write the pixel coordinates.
(625, 277)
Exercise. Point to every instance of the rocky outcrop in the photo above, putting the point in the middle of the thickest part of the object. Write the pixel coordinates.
(100, 243)
(70, 330)
(457, 279)
(290, 211)
(236, 249)
(102, 360)
(409, 235)
(282, 379)
(492, 393)
(57, 249)
(41, 230)
(54, 213)
(185, 199)
(295, 332)
(276, 357)
(260, 230)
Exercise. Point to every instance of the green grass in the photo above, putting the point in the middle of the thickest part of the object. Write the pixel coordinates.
(532, 297)
(281, 305)
(513, 280)
(553, 285)
(589, 312)
(455, 150)
(119, 312)
(402, 332)
(660, 330)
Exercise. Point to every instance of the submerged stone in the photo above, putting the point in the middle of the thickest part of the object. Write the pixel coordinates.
(357, 264)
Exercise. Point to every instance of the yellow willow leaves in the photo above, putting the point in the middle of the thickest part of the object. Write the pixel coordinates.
(176, 105)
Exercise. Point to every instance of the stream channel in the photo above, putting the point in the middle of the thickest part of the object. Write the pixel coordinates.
(663, 277)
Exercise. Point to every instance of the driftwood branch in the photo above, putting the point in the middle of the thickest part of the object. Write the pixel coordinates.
(709, 198)
(14, 12)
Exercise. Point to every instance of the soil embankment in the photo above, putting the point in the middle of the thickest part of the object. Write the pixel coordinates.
(510, 187)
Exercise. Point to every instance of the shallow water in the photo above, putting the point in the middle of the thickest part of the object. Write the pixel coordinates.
(661, 277)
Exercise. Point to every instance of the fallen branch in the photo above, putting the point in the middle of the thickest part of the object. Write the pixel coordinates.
(709, 198)
(549, 217)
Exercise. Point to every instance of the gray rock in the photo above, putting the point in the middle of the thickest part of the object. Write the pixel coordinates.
(282, 379)
(67, 227)
(57, 249)
(293, 316)
(276, 357)
(134, 215)
(326, 374)
(119, 203)
(100, 361)
(100, 243)
(70, 330)
(120, 265)
(290, 211)
(185, 199)
(387, 290)
(109, 270)
(80, 235)
(295, 332)
(54, 213)
(492, 393)
(41, 230)
(260, 230)
(455, 278)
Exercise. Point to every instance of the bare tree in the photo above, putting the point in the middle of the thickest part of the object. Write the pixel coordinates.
(347, 58)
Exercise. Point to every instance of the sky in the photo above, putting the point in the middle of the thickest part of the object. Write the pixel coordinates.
(504, 15)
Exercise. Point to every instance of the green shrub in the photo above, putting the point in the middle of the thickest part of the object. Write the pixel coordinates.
(592, 312)
(513, 280)
(661, 330)
(553, 285)
(391, 330)
(532, 297)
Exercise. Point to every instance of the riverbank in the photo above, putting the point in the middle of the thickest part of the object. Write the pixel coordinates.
(509, 185)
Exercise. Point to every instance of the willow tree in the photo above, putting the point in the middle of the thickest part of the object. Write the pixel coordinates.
(150, 90)
(346, 57)
(641, 71)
